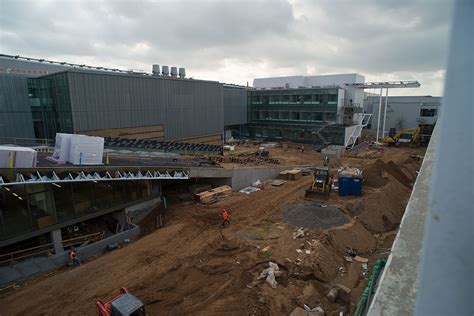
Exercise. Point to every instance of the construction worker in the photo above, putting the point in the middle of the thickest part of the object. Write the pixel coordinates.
(225, 218)
(73, 258)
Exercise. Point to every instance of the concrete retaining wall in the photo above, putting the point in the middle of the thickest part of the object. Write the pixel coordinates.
(39, 265)
(238, 178)
(244, 177)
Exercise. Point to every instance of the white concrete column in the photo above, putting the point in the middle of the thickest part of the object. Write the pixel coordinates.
(378, 116)
(57, 240)
(384, 115)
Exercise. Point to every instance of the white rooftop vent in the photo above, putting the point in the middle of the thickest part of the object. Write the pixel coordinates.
(156, 70)
(182, 72)
(165, 70)
(174, 71)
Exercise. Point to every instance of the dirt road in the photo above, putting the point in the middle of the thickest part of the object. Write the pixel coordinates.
(193, 266)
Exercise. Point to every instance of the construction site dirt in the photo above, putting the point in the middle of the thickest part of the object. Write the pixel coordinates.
(194, 266)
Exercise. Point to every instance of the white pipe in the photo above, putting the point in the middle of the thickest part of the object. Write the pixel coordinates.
(378, 117)
(385, 114)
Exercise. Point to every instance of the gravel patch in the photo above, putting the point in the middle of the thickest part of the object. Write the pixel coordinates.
(311, 215)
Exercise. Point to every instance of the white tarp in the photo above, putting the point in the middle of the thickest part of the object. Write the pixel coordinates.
(78, 149)
(61, 147)
(86, 150)
(23, 157)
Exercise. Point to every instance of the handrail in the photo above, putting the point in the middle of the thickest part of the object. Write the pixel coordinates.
(66, 241)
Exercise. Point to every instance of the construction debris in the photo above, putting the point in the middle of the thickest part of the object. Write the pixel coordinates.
(249, 190)
(298, 233)
(276, 183)
(317, 309)
(271, 273)
(298, 311)
(339, 292)
(361, 259)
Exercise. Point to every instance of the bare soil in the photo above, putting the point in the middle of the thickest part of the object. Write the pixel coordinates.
(193, 266)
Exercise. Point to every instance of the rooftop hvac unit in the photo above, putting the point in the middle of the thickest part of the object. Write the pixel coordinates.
(165, 71)
(174, 71)
(156, 70)
(182, 72)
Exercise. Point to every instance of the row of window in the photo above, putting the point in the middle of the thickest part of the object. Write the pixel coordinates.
(293, 116)
(285, 99)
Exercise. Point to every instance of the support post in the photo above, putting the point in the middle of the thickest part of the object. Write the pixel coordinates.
(384, 114)
(57, 240)
(378, 116)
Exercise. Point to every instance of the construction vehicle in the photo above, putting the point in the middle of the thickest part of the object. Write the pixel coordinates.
(125, 304)
(407, 135)
(322, 182)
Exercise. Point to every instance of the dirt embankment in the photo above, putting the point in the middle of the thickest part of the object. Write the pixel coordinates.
(194, 267)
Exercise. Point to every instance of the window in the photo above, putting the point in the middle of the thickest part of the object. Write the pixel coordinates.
(428, 112)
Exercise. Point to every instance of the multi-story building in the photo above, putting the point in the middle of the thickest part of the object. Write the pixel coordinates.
(313, 109)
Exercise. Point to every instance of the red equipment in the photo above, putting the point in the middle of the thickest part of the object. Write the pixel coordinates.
(125, 304)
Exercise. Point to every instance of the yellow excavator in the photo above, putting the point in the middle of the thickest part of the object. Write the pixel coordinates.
(404, 136)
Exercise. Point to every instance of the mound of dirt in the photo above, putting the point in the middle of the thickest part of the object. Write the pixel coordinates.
(373, 175)
(357, 237)
(393, 169)
(312, 215)
(322, 266)
(382, 212)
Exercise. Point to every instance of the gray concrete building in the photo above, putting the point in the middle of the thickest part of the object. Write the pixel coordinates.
(403, 111)
(115, 104)
(46, 97)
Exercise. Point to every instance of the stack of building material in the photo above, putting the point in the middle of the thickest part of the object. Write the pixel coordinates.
(293, 174)
(86, 150)
(211, 196)
(17, 157)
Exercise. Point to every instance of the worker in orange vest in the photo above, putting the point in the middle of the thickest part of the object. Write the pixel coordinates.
(225, 218)
(73, 258)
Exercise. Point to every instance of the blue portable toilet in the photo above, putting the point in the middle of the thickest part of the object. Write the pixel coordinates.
(349, 185)
(345, 185)
(357, 186)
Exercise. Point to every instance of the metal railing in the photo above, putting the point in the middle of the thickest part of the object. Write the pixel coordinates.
(29, 142)
(39, 250)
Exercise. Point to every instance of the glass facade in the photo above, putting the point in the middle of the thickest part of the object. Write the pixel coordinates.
(50, 105)
(291, 114)
(26, 208)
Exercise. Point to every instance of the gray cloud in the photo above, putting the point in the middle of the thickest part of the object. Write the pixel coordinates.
(236, 41)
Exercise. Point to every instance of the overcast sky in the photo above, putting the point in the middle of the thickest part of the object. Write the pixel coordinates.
(237, 41)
